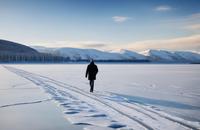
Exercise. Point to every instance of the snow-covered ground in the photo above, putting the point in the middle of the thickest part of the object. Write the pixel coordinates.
(23, 106)
(161, 97)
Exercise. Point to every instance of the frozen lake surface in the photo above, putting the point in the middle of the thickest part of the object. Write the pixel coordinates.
(129, 96)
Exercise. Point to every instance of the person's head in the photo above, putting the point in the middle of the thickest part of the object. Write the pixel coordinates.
(91, 61)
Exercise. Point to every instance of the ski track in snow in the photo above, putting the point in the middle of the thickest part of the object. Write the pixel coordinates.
(105, 110)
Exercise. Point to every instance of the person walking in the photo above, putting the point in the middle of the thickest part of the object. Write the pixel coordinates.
(91, 73)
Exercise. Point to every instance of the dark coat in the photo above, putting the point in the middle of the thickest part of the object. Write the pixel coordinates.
(91, 71)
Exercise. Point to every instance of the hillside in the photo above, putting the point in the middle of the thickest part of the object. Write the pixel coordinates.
(10, 48)
(11, 52)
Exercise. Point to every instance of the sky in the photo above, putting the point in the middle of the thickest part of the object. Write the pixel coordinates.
(136, 25)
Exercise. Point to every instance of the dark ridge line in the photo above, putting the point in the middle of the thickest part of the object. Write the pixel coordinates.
(24, 103)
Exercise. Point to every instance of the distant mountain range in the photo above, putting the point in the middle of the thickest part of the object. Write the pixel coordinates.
(160, 56)
(11, 51)
(86, 54)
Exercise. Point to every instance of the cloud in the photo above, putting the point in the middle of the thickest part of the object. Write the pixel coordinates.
(163, 8)
(94, 45)
(120, 19)
(189, 23)
(193, 27)
(192, 22)
(90, 44)
(192, 19)
(180, 43)
(101, 45)
(195, 16)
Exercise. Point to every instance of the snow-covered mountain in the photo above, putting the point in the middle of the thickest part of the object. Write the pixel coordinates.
(149, 55)
(133, 55)
(85, 54)
(171, 56)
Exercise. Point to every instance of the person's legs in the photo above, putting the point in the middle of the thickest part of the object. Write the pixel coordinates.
(91, 85)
